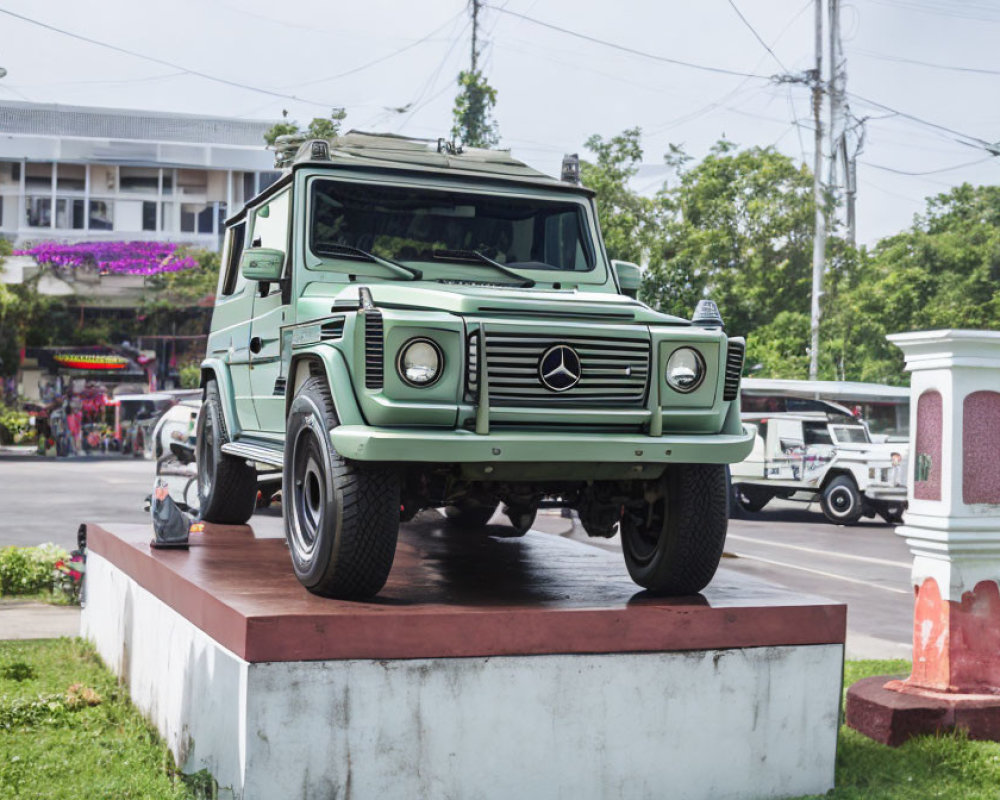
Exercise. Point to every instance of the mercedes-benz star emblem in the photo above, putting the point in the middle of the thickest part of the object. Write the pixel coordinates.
(559, 368)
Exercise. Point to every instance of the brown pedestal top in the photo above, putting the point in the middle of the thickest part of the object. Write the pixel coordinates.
(454, 594)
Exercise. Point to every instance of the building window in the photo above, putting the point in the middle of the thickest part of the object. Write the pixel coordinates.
(101, 218)
(139, 180)
(38, 175)
(168, 181)
(148, 215)
(196, 217)
(267, 178)
(192, 181)
(38, 211)
(71, 178)
(249, 186)
(69, 213)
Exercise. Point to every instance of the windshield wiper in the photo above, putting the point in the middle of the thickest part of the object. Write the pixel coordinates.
(474, 256)
(347, 251)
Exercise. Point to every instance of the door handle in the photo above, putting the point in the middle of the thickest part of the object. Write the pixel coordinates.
(256, 344)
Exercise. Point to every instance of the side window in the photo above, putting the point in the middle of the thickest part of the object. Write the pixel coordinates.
(233, 280)
(270, 223)
(817, 433)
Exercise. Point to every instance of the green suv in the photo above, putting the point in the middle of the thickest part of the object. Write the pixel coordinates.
(401, 325)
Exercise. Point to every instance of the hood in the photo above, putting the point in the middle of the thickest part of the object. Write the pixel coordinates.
(469, 300)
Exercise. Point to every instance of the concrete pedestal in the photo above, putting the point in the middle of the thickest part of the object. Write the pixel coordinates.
(487, 668)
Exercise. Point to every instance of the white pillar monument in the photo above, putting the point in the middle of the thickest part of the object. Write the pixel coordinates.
(952, 526)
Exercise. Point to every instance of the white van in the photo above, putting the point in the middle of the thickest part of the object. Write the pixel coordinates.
(821, 452)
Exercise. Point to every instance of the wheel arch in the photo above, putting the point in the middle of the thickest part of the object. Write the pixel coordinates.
(836, 473)
(329, 363)
(214, 369)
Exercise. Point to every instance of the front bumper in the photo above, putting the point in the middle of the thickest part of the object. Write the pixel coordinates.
(364, 443)
(886, 494)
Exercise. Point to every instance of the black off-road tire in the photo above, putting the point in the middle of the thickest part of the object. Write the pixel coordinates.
(841, 501)
(893, 513)
(469, 516)
(521, 519)
(751, 498)
(341, 517)
(673, 546)
(227, 486)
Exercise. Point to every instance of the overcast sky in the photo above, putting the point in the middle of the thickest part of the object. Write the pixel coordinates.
(554, 90)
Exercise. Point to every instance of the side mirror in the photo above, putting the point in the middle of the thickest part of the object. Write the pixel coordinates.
(262, 264)
(629, 277)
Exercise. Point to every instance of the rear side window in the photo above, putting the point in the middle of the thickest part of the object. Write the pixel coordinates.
(231, 258)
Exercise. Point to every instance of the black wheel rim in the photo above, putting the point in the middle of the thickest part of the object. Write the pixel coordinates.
(206, 454)
(841, 501)
(642, 534)
(308, 493)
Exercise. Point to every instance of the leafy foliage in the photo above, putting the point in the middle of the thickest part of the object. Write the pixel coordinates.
(626, 218)
(473, 124)
(736, 227)
(29, 570)
(318, 127)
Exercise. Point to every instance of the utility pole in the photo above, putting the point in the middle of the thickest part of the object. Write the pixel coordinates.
(819, 237)
(475, 32)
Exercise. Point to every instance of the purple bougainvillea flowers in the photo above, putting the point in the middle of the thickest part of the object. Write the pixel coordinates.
(116, 258)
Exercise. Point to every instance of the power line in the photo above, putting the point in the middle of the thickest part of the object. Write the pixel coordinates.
(161, 61)
(624, 49)
(979, 142)
(757, 36)
(918, 62)
(929, 171)
(386, 57)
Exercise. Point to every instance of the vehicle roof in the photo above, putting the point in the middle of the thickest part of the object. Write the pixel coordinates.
(392, 152)
(389, 152)
(805, 416)
(845, 391)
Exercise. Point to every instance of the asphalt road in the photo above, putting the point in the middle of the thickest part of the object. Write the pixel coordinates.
(865, 566)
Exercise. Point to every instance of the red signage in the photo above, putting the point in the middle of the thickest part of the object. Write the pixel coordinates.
(86, 361)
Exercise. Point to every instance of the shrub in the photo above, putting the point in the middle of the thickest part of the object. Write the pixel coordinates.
(29, 570)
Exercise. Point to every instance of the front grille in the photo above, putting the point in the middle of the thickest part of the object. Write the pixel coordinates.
(614, 371)
(734, 368)
(374, 355)
(332, 330)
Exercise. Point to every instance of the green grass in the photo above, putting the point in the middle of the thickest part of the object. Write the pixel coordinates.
(68, 730)
(950, 766)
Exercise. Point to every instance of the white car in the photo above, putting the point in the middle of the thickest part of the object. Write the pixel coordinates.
(177, 423)
(826, 455)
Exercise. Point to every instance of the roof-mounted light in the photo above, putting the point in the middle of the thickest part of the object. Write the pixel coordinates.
(706, 314)
(571, 168)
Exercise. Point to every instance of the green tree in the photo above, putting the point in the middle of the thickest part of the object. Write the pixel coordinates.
(473, 124)
(943, 272)
(318, 128)
(626, 218)
(736, 227)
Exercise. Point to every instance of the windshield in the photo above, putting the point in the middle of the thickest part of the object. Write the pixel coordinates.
(855, 434)
(424, 225)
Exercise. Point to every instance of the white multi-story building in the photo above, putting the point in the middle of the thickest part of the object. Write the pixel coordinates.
(71, 174)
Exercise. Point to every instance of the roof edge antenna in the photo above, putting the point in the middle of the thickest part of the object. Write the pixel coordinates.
(571, 169)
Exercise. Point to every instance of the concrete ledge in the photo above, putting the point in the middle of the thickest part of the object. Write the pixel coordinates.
(452, 595)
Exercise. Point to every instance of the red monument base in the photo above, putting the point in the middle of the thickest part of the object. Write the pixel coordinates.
(891, 712)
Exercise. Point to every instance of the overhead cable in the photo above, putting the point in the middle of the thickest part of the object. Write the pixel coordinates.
(625, 49)
(161, 61)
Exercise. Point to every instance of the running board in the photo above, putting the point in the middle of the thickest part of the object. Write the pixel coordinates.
(255, 452)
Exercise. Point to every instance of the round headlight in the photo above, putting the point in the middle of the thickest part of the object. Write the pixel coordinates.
(419, 362)
(685, 370)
